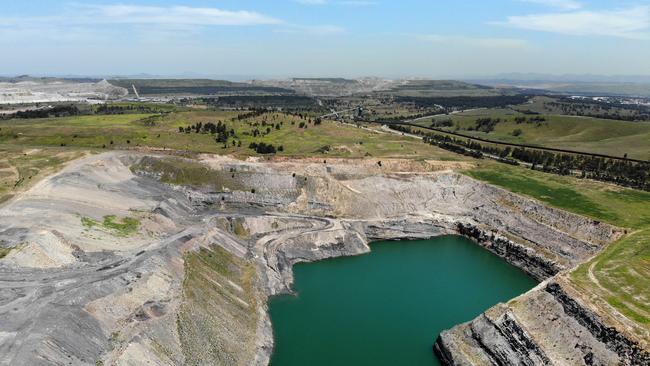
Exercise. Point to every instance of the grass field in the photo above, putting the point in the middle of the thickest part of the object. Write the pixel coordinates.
(622, 207)
(618, 276)
(162, 131)
(557, 106)
(565, 132)
(20, 167)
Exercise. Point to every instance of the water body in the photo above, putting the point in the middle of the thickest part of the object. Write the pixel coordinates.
(388, 307)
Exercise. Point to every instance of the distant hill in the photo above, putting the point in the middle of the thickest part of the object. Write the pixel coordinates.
(442, 88)
(572, 78)
(599, 89)
(638, 88)
(195, 87)
(328, 87)
(326, 80)
(27, 78)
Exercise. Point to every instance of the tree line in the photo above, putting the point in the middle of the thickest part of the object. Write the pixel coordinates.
(464, 102)
(633, 174)
(56, 111)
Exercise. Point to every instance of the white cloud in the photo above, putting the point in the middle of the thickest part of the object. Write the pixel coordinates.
(183, 15)
(560, 4)
(358, 3)
(173, 16)
(311, 2)
(486, 42)
(633, 23)
(320, 30)
(344, 2)
(80, 22)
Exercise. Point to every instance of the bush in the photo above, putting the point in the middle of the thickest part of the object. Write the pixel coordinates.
(263, 148)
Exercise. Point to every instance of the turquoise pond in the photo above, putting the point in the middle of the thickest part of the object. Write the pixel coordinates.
(388, 307)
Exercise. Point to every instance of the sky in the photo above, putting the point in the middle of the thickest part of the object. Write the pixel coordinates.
(324, 38)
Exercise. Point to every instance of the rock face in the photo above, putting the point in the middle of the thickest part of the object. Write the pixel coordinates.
(543, 327)
(523, 257)
(133, 299)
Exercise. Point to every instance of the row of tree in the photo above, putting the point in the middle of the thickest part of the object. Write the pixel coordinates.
(264, 148)
(220, 130)
(602, 109)
(464, 102)
(623, 172)
(56, 111)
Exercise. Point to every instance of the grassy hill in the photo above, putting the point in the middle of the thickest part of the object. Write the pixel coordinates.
(585, 134)
(299, 136)
(599, 89)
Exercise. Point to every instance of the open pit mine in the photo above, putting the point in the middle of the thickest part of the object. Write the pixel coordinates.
(120, 259)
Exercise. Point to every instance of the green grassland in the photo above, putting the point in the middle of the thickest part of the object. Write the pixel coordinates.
(555, 106)
(565, 132)
(124, 226)
(127, 131)
(619, 275)
(21, 167)
(622, 207)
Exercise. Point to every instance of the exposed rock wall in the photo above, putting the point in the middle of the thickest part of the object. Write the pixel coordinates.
(519, 255)
(543, 327)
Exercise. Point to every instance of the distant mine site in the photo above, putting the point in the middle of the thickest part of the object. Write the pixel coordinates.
(30, 90)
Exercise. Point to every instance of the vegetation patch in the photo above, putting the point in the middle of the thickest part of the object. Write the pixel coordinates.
(121, 226)
(239, 229)
(124, 226)
(131, 126)
(622, 207)
(89, 223)
(557, 196)
(189, 173)
(21, 167)
(590, 135)
(218, 317)
(5, 252)
(621, 274)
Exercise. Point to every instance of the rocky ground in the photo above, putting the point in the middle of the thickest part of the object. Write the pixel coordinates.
(53, 91)
(108, 264)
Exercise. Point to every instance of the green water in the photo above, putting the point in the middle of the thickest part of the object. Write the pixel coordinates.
(388, 307)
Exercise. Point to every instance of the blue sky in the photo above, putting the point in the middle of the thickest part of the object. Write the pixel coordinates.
(279, 38)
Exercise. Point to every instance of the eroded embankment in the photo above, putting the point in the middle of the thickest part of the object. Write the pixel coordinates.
(190, 284)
